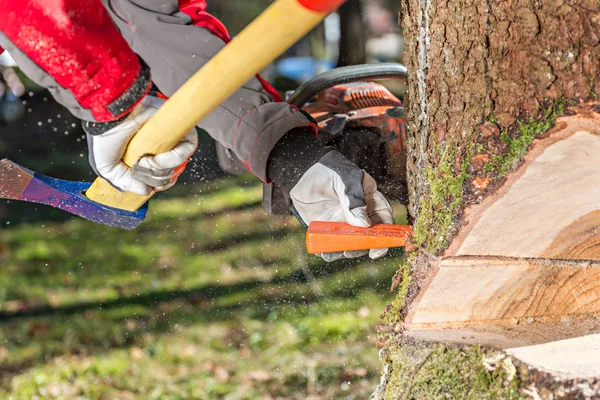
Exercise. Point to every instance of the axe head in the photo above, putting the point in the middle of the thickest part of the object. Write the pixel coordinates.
(19, 183)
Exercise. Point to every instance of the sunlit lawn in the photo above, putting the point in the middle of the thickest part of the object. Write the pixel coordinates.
(210, 298)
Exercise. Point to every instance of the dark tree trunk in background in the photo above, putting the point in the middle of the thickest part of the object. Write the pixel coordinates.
(503, 172)
(353, 41)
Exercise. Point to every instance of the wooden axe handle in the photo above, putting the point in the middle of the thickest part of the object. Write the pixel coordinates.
(332, 237)
(273, 32)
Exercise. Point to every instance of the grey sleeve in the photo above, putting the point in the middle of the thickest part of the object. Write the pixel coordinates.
(249, 122)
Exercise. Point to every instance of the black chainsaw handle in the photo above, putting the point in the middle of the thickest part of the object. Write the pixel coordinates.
(354, 73)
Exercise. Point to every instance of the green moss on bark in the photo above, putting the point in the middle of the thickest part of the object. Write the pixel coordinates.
(439, 211)
(394, 310)
(436, 371)
(448, 372)
(517, 145)
(435, 225)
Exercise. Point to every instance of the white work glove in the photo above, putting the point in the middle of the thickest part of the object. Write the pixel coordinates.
(158, 172)
(11, 88)
(10, 82)
(336, 190)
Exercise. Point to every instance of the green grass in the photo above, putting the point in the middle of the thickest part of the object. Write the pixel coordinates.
(210, 298)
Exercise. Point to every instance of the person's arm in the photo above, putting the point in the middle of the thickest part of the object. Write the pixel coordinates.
(73, 49)
(275, 140)
(176, 42)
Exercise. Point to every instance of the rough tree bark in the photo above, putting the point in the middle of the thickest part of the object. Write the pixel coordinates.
(504, 178)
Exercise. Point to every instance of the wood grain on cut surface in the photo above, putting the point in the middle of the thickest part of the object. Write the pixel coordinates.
(525, 266)
(580, 240)
(503, 292)
(558, 188)
(506, 336)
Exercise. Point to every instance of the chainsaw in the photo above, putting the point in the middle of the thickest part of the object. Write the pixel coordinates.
(362, 119)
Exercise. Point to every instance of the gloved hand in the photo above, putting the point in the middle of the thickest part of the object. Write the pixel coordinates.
(107, 147)
(11, 88)
(10, 82)
(336, 190)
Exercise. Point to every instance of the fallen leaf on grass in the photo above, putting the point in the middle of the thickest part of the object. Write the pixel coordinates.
(14, 305)
(189, 350)
(130, 324)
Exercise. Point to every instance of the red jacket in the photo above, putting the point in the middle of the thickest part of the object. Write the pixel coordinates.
(81, 50)
(77, 52)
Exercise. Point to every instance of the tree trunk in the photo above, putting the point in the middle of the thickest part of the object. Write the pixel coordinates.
(504, 179)
(353, 40)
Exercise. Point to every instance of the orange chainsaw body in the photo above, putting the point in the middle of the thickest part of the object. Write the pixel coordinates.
(368, 125)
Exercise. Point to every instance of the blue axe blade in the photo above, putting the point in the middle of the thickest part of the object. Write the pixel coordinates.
(19, 183)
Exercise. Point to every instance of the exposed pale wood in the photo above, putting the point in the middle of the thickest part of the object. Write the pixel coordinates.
(501, 59)
(553, 199)
(506, 336)
(524, 268)
(505, 298)
(331, 237)
(279, 27)
(567, 359)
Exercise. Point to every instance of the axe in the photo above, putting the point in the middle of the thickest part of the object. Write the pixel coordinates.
(267, 37)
